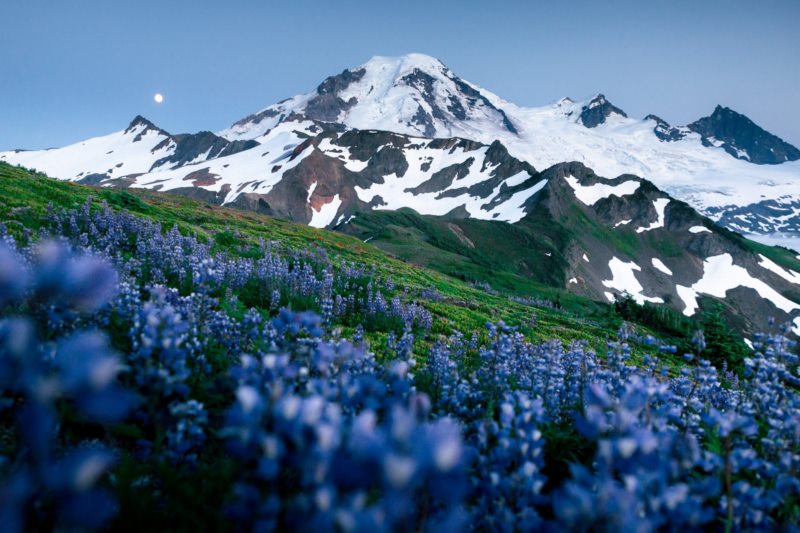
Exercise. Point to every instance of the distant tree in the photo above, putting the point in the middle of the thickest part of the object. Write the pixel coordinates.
(722, 345)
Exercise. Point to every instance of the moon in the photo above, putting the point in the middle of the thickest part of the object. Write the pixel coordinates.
(158, 98)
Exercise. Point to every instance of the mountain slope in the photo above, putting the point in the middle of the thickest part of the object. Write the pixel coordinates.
(316, 173)
(25, 198)
(604, 239)
(120, 157)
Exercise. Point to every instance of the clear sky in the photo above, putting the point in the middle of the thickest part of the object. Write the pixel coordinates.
(76, 69)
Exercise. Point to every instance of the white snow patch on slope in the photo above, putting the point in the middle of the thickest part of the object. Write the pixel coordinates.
(623, 223)
(660, 204)
(789, 275)
(585, 258)
(342, 153)
(624, 281)
(326, 213)
(591, 194)
(719, 276)
(689, 297)
(659, 265)
(517, 178)
(699, 229)
(512, 209)
(311, 191)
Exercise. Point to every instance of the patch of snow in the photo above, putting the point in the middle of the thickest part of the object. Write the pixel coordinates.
(749, 343)
(610, 297)
(342, 153)
(789, 275)
(585, 258)
(311, 192)
(573, 280)
(591, 194)
(699, 229)
(719, 276)
(622, 223)
(689, 297)
(659, 265)
(624, 281)
(660, 204)
(326, 213)
(517, 178)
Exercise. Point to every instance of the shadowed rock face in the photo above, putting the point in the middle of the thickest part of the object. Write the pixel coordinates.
(256, 118)
(326, 105)
(597, 111)
(340, 82)
(454, 107)
(189, 147)
(93, 179)
(474, 96)
(443, 178)
(664, 131)
(743, 139)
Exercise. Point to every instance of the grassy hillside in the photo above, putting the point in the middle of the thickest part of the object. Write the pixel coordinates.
(24, 199)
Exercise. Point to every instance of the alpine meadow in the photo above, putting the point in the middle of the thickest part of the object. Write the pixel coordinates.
(399, 301)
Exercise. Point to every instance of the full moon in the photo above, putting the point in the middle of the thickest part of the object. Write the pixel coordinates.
(158, 98)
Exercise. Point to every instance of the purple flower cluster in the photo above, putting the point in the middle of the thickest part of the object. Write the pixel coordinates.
(237, 364)
(54, 374)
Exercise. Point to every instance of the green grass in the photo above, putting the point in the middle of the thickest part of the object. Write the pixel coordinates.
(526, 259)
(445, 264)
(24, 199)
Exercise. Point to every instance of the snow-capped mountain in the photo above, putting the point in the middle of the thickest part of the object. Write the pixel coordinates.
(413, 94)
(121, 157)
(718, 163)
(408, 133)
(723, 165)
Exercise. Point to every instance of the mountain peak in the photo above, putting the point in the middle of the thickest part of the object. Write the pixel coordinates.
(141, 126)
(406, 62)
(413, 94)
(139, 121)
(597, 110)
(742, 138)
(664, 131)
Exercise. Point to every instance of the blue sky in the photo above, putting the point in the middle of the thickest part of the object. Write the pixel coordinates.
(72, 70)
